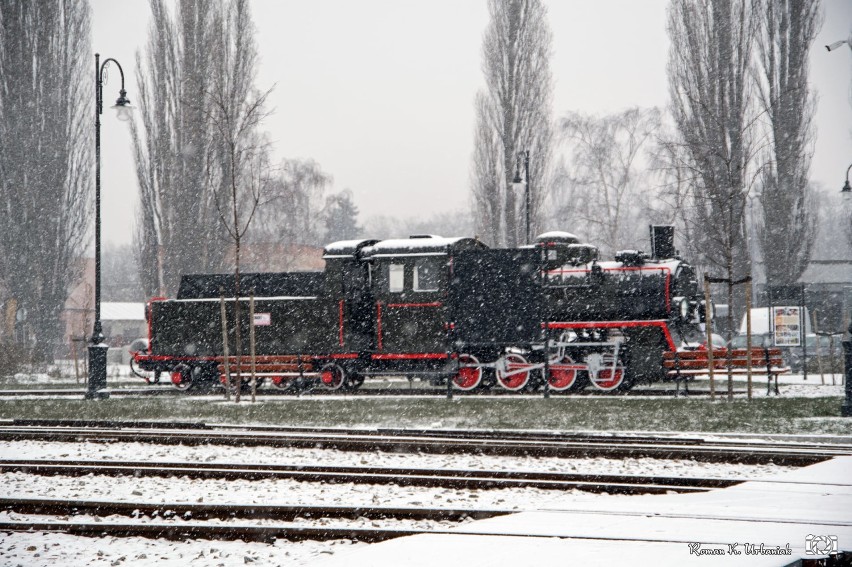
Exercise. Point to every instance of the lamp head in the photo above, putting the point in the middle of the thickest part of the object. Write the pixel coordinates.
(122, 106)
(836, 44)
(517, 183)
(846, 191)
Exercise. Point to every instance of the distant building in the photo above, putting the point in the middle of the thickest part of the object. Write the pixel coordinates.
(276, 257)
(827, 285)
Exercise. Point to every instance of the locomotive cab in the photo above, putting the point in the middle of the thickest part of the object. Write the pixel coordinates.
(348, 279)
(409, 280)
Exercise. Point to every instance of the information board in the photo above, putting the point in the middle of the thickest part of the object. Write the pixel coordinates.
(787, 322)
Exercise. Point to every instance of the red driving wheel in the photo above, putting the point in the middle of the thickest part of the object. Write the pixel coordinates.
(562, 375)
(609, 379)
(511, 374)
(470, 373)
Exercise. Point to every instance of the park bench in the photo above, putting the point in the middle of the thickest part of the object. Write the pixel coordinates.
(683, 366)
(268, 366)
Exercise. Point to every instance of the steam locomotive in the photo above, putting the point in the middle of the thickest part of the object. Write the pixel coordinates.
(546, 315)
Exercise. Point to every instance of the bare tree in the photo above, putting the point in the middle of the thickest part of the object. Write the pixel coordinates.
(710, 83)
(513, 114)
(46, 108)
(177, 230)
(292, 207)
(604, 189)
(786, 230)
(238, 169)
(673, 200)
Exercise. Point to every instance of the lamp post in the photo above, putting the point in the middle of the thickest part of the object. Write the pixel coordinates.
(846, 408)
(524, 156)
(97, 348)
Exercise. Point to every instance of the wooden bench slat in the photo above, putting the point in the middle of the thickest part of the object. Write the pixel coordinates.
(722, 363)
(718, 353)
(246, 367)
(739, 371)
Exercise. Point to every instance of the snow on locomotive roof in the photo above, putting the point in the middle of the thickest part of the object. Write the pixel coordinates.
(557, 235)
(420, 244)
(346, 248)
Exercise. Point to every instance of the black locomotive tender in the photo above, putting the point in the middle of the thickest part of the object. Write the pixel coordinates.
(442, 309)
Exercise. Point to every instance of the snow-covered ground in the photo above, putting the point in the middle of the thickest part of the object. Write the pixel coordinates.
(50, 549)
(53, 549)
(789, 385)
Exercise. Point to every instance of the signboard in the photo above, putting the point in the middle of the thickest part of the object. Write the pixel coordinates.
(787, 324)
(262, 319)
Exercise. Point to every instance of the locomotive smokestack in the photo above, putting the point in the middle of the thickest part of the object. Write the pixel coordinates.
(662, 242)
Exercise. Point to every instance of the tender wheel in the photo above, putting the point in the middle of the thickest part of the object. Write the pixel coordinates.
(563, 375)
(469, 375)
(183, 378)
(332, 376)
(510, 372)
(609, 380)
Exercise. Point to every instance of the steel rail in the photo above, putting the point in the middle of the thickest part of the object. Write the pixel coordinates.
(744, 453)
(489, 434)
(462, 479)
(732, 453)
(195, 511)
(185, 530)
(511, 435)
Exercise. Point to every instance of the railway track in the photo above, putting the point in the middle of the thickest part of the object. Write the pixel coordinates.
(286, 513)
(443, 478)
(179, 532)
(267, 523)
(507, 443)
(181, 521)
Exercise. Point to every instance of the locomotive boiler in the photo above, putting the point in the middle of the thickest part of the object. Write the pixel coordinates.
(547, 315)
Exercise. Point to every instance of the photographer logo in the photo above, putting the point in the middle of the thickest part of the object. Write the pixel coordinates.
(820, 544)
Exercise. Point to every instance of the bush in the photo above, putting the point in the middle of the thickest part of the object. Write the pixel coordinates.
(827, 366)
(13, 358)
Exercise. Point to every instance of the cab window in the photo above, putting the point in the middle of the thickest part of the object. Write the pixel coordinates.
(396, 278)
(427, 276)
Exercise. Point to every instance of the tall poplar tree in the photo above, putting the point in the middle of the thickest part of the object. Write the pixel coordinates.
(513, 114)
(786, 230)
(711, 85)
(47, 111)
(178, 229)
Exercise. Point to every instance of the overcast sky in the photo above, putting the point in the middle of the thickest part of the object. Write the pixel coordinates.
(380, 92)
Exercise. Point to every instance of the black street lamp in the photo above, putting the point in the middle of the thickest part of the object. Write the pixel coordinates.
(524, 156)
(98, 348)
(846, 408)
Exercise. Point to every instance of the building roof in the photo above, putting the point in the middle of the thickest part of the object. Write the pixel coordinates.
(122, 311)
